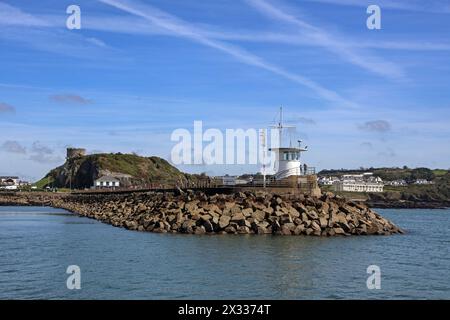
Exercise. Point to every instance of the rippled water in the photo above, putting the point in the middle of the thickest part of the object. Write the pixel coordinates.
(37, 244)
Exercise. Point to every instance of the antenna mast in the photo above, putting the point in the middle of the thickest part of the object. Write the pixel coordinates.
(263, 147)
(280, 127)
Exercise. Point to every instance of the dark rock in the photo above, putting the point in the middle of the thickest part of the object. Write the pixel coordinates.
(208, 226)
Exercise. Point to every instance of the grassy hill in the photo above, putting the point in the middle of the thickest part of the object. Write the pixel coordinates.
(129, 168)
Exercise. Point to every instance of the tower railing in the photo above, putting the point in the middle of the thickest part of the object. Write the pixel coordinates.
(294, 171)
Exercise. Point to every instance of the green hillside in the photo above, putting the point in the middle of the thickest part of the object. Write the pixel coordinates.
(131, 169)
(437, 193)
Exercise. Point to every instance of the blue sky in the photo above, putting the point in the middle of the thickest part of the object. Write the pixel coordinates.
(137, 70)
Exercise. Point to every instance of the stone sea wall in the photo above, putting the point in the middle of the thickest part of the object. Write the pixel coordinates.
(240, 213)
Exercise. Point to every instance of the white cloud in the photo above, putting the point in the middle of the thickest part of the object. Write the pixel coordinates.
(69, 99)
(10, 15)
(331, 42)
(47, 33)
(380, 126)
(42, 153)
(183, 29)
(6, 108)
(13, 146)
(97, 42)
(434, 6)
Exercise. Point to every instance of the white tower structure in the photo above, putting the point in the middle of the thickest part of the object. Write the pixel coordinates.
(287, 159)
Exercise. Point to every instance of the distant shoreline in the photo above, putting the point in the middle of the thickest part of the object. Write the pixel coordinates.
(408, 194)
(409, 205)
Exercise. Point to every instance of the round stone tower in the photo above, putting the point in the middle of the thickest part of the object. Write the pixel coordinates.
(75, 153)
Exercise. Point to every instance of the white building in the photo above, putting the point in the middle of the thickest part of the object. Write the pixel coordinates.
(327, 181)
(287, 159)
(9, 180)
(365, 182)
(423, 181)
(107, 182)
(396, 183)
(357, 186)
(287, 162)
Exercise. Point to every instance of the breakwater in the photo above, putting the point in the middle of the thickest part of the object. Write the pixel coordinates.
(238, 213)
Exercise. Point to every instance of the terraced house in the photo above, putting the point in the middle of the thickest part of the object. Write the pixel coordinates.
(359, 183)
(107, 182)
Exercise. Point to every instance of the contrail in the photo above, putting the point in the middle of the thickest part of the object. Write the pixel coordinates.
(330, 42)
(181, 28)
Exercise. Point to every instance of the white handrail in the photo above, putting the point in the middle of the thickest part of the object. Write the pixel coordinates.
(293, 171)
(285, 173)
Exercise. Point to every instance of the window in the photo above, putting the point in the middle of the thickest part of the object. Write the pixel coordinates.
(291, 156)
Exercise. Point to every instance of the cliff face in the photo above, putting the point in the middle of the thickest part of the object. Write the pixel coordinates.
(436, 195)
(423, 198)
(130, 169)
